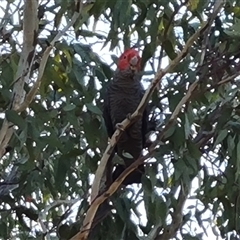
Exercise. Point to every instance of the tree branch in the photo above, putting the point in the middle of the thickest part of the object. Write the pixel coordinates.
(30, 27)
(170, 231)
(127, 122)
(83, 234)
(32, 92)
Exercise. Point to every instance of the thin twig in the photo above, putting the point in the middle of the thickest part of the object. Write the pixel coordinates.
(177, 216)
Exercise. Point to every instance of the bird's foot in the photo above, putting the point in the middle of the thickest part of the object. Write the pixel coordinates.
(119, 126)
(129, 116)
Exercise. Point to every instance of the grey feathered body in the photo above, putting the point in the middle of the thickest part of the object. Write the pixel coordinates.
(122, 98)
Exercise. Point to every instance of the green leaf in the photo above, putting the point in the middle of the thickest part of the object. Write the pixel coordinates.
(161, 210)
(221, 136)
(124, 12)
(53, 113)
(61, 171)
(78, 71)
(174, 99)
(231, 144)
(93, 108)
(168, 47)
(147, 186)
(177, 137)
(69, 107)
(127, 155)
(192, 162)
(13, 117)
(120, 207)
(180, 168)
(193, 150)
(238, 162)
(170, 131)
(4, 230)
(187, 127)
(148, 52)
(193, 4)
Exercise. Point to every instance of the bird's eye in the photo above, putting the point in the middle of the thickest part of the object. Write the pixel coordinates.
(124, 57)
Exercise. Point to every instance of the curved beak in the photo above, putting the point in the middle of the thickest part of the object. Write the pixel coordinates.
(133, 63)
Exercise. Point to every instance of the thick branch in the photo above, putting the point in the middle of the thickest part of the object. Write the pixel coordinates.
(30, 28)
(159, 75)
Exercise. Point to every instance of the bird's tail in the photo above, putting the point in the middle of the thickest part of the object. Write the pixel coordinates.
(103, 211)
(133, 177)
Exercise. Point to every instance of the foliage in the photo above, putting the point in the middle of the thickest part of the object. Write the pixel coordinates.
(57, 141)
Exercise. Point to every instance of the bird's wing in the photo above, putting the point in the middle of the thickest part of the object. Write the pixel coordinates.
(106, 113)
